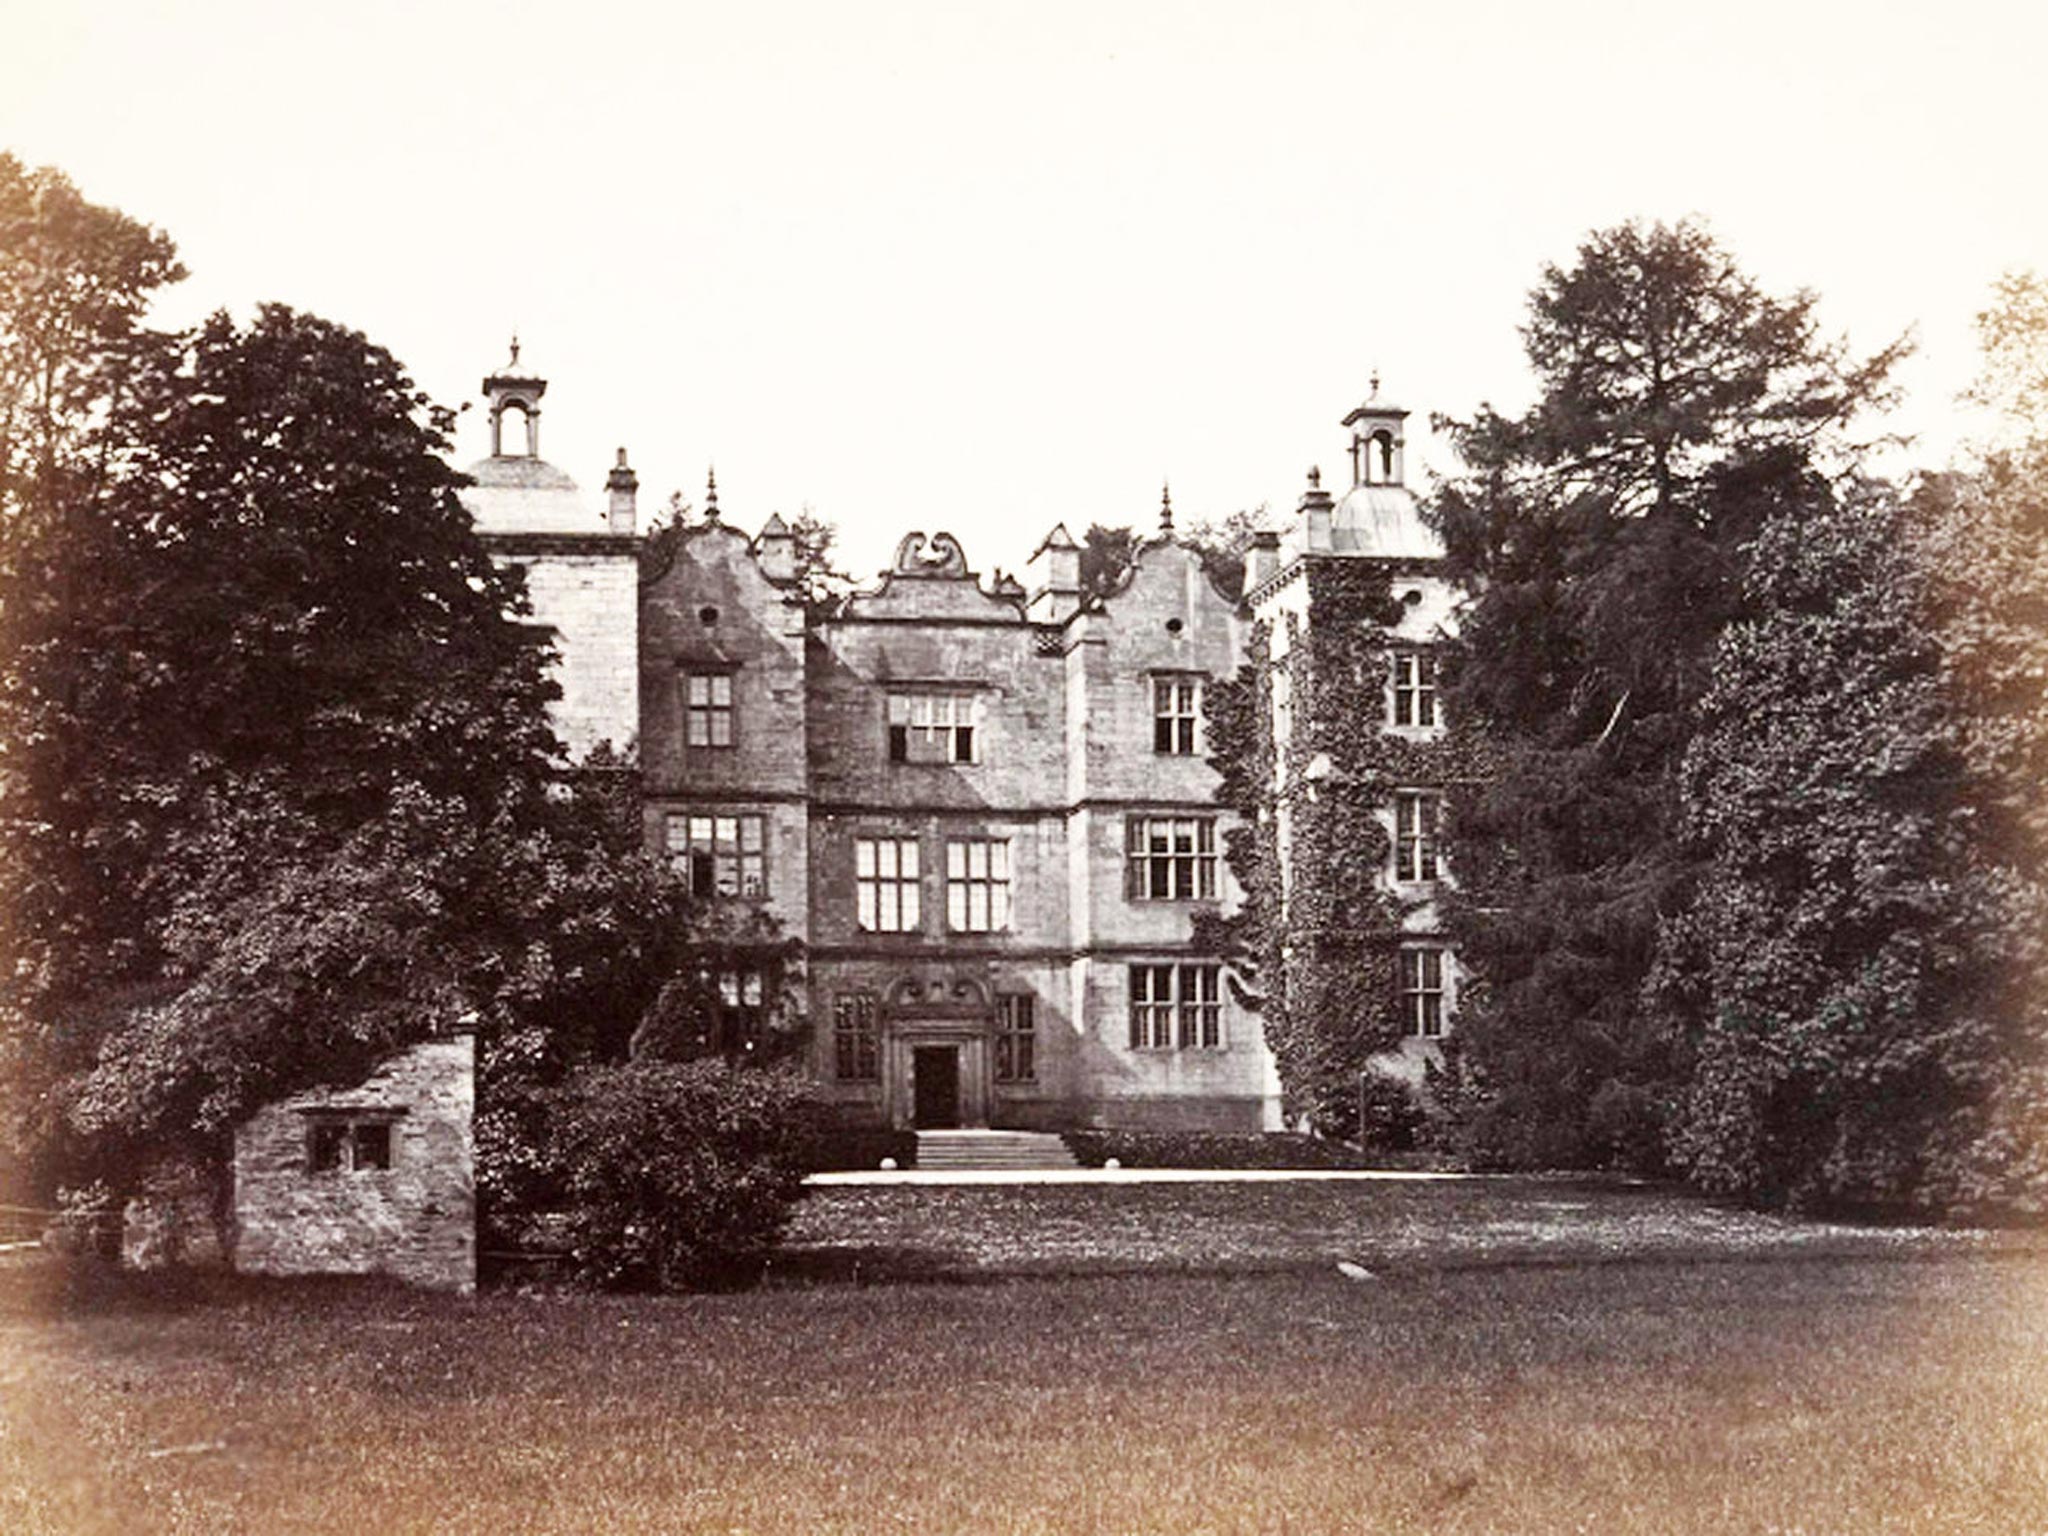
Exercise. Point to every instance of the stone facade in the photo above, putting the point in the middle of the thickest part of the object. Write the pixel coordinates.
(943, 781)
(378, 1178)
(985, 811)
(587, 587)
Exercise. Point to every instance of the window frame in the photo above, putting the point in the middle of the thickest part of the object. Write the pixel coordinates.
(953, 742)
(685, 856)
(1178, 1007)
(1176, 714)
(871, 885)
(740, 1023)
(1418, 693)
(1424, 997)
(351, 1141)
(1418, 838)
(717, 706)
(962, 887)
(1016, 1038)
(856, 1037)
(1170, 873)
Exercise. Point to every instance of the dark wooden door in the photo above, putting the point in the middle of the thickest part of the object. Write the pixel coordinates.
(935, 1087)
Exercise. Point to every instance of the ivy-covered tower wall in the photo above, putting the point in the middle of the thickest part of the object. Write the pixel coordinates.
(1340, 766)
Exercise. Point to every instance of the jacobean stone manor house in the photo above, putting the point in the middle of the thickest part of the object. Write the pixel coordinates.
(983, 806)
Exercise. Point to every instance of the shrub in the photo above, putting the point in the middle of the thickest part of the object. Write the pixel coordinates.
(676, 1177)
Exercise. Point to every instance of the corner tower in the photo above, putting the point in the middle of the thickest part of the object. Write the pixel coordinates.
(1357, 592)
(581, 561)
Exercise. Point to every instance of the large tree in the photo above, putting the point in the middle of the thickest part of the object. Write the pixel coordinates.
(1603, 532)
(75, 280)
(257, 675)
(1829, 966)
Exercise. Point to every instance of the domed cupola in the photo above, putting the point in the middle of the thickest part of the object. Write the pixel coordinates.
(516, 490)
(1378, 515)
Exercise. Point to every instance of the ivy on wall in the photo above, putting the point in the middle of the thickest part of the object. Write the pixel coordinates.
(1315, 946)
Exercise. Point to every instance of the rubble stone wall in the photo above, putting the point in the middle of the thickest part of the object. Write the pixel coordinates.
(415, 1219)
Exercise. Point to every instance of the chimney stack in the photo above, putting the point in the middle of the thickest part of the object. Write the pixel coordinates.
(1261, 559)
(1314, 511)
(624, 488)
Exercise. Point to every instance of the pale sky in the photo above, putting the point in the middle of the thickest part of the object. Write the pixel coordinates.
(986, 267)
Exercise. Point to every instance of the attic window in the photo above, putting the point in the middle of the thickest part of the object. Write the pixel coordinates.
(707, 616)
(1174, 626)
(1411, 597)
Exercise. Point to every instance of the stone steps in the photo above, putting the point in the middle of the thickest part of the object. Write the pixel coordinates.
(979, 1150)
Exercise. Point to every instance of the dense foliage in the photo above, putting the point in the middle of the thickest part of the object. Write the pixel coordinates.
(1604, 534)
(278, 791)
(275, 739)
(1824, 967)
(674, 1175)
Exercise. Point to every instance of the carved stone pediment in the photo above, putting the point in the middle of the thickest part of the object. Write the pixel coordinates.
(937, 994)
(941, 555)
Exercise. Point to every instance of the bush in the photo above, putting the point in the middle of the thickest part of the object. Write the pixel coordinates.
(675, 1177)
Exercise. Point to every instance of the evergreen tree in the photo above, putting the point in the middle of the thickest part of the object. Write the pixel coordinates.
(1602, 532)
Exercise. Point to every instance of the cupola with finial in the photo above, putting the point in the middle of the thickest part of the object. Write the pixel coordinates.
(515, 389)
(1376, 440)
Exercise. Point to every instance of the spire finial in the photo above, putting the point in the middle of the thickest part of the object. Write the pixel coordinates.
(515, 349)
(1166, 508)
(1315, 476)
(1375, 382)
(711, 495)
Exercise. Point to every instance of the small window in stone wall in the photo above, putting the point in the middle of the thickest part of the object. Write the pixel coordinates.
(855, 1040)
(349, 1144)
(1016, 1038)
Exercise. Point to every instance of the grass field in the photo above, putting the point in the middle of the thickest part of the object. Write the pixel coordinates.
(1813, 1386)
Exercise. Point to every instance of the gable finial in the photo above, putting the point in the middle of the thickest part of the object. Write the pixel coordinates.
(1166, 508)
(711, 495)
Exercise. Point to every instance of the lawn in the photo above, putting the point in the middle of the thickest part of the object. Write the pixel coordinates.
(1815, 1386)
(965, 1231)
